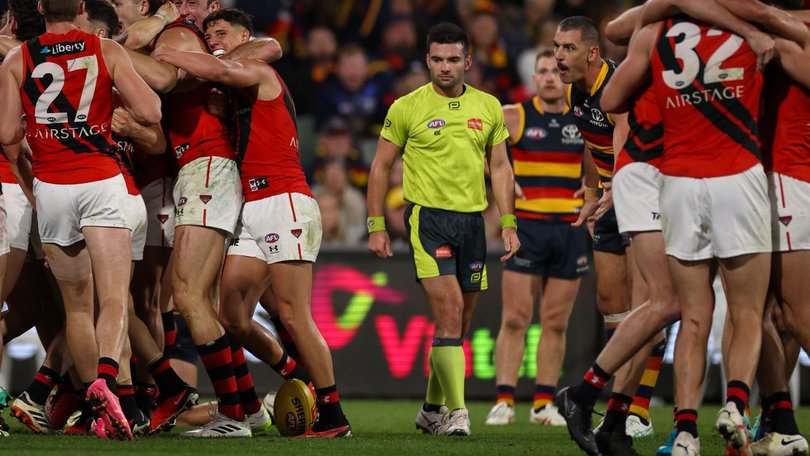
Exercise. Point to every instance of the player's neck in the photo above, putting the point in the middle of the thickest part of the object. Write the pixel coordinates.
(552, 106)
(453, 92)
(59, 27)
(592, 74)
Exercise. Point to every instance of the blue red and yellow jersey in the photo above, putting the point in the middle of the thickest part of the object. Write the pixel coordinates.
(595, 125)
(547, 158)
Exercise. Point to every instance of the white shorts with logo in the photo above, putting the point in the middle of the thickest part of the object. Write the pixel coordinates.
(719, 217)
(285, 227)
(635, 195)
(137, 220)
(208, 193)
(63, 210)
(790, 212)
(157, 195)
(18, 216)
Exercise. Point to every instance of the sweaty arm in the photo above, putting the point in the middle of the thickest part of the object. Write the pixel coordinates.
(776, 21)
(794, 60)
(265, 49)
(143, 102)
(149, 139)
(11, 128)
(620, 30)
(17, 155)
(163, 76)
(503, 187)
(633, 72)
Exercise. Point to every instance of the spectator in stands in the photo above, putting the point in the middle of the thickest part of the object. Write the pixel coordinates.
(489, 52)
(399, 50)
(416, 77)
(314, 67)
(352, 202)
(335, 142)
(334, 232)
(353, 95)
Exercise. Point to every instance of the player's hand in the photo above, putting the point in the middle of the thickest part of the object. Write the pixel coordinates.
(519, 192)
(511, 243)
(589, 206)
(170, 11)
(605, 203)
(763, 46)
(161, 52)
(380, 244)
(218, 103)
(122, 122)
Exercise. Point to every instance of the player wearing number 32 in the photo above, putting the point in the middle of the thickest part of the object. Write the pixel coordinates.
(445, 130)
(62, 82)
(714, 196)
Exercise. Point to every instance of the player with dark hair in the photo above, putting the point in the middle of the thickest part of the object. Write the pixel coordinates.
(445, 125)
(279, 231)
(546, 151)
(78, 157)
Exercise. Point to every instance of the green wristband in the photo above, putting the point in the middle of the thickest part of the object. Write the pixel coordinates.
(508, 221)
(375, 224)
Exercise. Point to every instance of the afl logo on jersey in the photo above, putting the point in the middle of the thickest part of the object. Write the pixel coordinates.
(271, 238)
(436, 124)
(536, 133)
(577, 111)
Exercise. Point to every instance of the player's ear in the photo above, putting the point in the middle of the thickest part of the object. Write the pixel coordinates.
(40, 8)
(467, 62)
(593, 54)
(143, 7)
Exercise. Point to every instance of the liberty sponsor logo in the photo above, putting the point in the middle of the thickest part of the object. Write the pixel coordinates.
(63, 48)
(536, 133)
(271, 238)
(475, 124)
(436, 124)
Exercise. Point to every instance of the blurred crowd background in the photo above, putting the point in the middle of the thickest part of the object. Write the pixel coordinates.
(346, 61)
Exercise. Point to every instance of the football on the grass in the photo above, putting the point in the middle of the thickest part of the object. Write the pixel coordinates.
(294, 409)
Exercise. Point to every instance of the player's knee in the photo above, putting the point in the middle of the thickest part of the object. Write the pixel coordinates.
(516, 322)
(235, 327)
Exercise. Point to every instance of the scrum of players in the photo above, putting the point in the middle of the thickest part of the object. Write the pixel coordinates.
(120, 184)
(142, 205)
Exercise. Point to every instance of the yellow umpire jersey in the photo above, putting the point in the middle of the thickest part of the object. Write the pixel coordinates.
(444, 142)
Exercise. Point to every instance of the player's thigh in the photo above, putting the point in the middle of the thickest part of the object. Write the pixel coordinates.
(110, 254)
(243, 281)
(612, 281)
(520, 291)
(196, 259)
(747, 278)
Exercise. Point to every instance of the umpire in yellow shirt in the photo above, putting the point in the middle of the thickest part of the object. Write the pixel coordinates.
(445, 130)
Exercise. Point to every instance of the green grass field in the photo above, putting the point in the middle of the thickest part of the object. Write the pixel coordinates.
(380, 428)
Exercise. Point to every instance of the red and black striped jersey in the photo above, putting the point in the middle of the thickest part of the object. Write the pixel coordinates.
(645, 139)
(595, 125)
(547, 159)
(192, 131)
(67, 101)
(267, 145)
(785, 126)
(708, 90)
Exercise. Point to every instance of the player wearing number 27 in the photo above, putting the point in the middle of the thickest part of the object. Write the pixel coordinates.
(62, 82)
(446, 131)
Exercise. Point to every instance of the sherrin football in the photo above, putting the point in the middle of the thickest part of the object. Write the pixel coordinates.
(294, 409)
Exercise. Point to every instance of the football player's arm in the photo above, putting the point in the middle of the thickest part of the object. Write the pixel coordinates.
(142, 32)
(17, 155)
(162, 76)
(774, 20)
(620, 30)
(794, 60)
(11, 127)
(378, 241)
(142, 102)
(264, 49)
(233, 73)
(150, 139)
(631, 75)
(503, 187)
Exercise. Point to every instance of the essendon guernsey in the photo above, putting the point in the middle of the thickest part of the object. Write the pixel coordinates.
(67, 101)
(785, 126)
(645, 139)
(193, 132)
(708, 91)
(267, 145)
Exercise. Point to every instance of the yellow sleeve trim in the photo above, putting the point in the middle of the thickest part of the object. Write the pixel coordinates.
(521, 123)
(601, 79)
